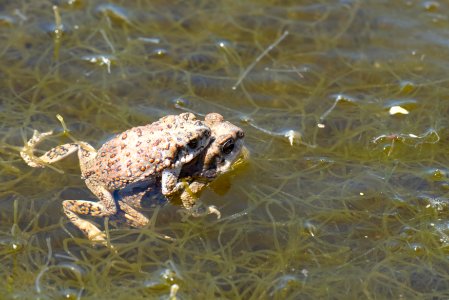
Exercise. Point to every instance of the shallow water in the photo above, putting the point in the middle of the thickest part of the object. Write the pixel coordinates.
(344, 105)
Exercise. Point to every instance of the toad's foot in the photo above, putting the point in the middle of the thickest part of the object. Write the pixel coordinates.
(74, 207)
(51, 156)
(199, 211)
(89, 229)
(190, 196)
(211, 209)
(27, 150)
(191, 193)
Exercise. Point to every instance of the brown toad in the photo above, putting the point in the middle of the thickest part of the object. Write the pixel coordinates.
(141, 157)
(216, 159)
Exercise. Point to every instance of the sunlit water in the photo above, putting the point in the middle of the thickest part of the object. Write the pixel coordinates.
(344, 105)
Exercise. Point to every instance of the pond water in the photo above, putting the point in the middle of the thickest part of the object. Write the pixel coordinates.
(345, 110)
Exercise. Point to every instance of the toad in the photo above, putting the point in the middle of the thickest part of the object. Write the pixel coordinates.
(137, 159)
(219, 156)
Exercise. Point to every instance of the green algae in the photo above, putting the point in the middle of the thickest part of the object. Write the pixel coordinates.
(341, 198)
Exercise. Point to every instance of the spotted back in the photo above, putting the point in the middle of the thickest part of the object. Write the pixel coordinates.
(143, 152)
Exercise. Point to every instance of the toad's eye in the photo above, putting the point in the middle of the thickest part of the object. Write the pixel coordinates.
(193, 144)
(228, 146)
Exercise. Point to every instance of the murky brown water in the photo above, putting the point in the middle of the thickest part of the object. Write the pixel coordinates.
(344, 105)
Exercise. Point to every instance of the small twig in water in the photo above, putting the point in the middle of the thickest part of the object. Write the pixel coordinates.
(66, 130)
(292, 136)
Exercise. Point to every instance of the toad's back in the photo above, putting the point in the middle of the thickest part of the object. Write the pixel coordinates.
(143, 152)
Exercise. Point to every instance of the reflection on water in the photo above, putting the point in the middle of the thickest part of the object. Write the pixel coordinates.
(344, 105)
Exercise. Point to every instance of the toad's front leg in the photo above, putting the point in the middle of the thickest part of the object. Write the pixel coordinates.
(190, 200)
(128, 201)
(169, 182)
(104, 208)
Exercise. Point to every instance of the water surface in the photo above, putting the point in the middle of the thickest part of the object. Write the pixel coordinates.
(344, 105)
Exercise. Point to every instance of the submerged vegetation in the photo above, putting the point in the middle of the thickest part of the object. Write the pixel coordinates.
(344, 105)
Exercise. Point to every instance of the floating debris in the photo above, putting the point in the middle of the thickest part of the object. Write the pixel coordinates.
(149, 40)
(402, 107)
(100, 60)
(339, 99)
(394, 110)
(410, 139)
(292, 136)
(430, 137)
(114, 13)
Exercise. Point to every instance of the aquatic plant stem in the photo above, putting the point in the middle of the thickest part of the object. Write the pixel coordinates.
(265, 52)
(58, 32)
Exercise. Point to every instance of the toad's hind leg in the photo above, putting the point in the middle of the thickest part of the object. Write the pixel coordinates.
(104, 208)
(132, 217)
(53, 155)
(74, 207)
